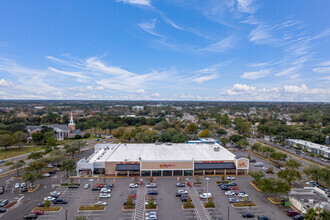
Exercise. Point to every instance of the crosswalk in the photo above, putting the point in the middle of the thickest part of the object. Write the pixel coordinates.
(139, 207)
(201, 212)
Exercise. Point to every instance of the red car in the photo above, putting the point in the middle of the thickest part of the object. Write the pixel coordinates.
(99, 186)
(38, 212)
(293, 213)
(235, 187)
(133, 196)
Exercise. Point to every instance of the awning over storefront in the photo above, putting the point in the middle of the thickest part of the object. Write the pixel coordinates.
(128, 167)
(214, 166)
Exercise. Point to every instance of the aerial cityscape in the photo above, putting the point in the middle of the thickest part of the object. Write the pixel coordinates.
(177, 109)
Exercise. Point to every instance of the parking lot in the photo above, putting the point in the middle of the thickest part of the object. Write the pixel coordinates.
(169, 206)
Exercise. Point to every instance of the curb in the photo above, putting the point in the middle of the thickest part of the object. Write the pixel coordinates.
(255, 187)
(35, 188)
(275, 203)
(36, 208)
(93, 210)
(187, 208)
(126, 210)
(242, 207)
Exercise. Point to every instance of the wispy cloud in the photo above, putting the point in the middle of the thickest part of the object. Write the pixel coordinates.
(221, 45)
(136, 2)
(323, 68)
(256, 74)
(205, 78)
(149, 27)
(246, 6)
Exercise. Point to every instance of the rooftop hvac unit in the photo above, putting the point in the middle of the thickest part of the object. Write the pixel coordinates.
(311, 201)
(158, 143)
(168, 143)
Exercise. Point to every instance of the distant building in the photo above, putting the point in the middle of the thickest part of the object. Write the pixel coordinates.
(327, 140)
(62, 131)
(305, 198)
(311, 147)
(137, 108)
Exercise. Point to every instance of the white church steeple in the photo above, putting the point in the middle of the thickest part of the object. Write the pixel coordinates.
(72, 125)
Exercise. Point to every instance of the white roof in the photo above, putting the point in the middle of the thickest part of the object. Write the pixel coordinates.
(310, 144)
(162, 152)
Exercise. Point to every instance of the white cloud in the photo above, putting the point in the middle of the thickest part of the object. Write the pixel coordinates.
(325, 63)
(243, 87)
(137, 2)
(303, 89)
(202, 79)
(257, 74)
(246, 6)
(155, 95)
(222, 45)
(4, 83)
(149, 27)
(325, 69)
(287, 71)
(2, 93)
(140, 91)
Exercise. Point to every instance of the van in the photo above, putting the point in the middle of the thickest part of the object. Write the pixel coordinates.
(259, 164)
(205, 195)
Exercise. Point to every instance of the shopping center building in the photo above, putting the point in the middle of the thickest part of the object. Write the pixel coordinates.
(183, 159)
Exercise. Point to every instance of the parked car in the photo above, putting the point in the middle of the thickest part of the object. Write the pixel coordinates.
(184, 198)
(38, 212)
(133, 185)
(298, 217)
(60, 201)
(247, 199)
(31, 186)
(150, 213)
(205, 195)
(86, 186)
(109, 186)
(101, 203)
(230, 178)
(24, 189)
(96, 189)
(181, 192)
(147, 202)
(99, 186)
(31, 216)
(151, 185)
(2, 190)
(17, 185)
(42, 204)
(105, 195)
(247, 215)
(23, 185)
(232, 184)
(265, 169)
(2, 209)
(180, 185)
(242, 195)
(229, 193)
(153, 192)
(105, 190)
(4, 202)
(262, 217)
(259, 164)
(232, 200)
(2, 161)
(46, 175)
(236, 193)
(252, 160)
(49, 198)
(225, 187)
(292, 213)
(55, 194)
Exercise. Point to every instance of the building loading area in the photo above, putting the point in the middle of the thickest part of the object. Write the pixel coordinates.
(182, 159)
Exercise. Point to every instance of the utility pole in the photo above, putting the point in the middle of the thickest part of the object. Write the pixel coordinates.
(228, 212)
(66, 214)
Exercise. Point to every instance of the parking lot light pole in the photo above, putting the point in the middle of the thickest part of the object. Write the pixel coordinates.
(66, 214)
(207, 188)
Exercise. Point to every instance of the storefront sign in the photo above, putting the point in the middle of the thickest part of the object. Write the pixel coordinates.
(167, 165)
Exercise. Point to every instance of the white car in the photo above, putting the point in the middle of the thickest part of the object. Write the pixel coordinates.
(23, 185)
(49, 198)
(151, 213)
(105, 190)
(229, 193)
(17, 185)
(133, 185)
(242, 195)
(101, 203)
(151, 185)
(205, 195)
(46, 175)
(230, 178)
(105, 195)
(86, 186)
(55, 194)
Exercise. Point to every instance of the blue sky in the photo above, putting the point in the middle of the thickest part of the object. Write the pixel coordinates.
(218, 50)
